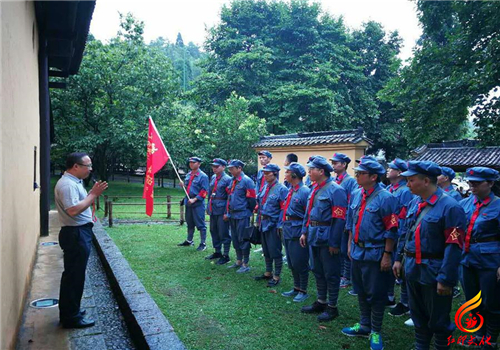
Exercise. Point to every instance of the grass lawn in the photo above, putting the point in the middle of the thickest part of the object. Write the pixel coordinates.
(211, 307)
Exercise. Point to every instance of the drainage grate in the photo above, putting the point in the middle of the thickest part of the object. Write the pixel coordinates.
(49, 243)
(44, 303)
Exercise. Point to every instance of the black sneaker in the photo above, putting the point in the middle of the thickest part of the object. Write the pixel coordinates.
(391, 304)
(263, 277)
(224, 260)
(315, 308)
(456, 292)
(399, 310)
(214, 256)
(201, 247)
(329, 314)
(273, 282)
(186, 243)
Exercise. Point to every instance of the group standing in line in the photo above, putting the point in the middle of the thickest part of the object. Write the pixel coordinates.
(356, 232)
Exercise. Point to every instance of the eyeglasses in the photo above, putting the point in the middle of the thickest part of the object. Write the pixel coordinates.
(359, 173)
(87, 165)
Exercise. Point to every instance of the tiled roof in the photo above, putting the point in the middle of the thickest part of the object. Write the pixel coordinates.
(459, 154)
(313, 138)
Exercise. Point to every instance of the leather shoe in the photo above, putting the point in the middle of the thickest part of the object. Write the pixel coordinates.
(81, 323)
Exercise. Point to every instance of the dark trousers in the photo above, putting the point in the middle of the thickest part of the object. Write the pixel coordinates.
(240, 245)
(430, 313)
(371, 284)
(298, 261)
(219, 230)
(326, 270)
(272, 249)
(76, 242)
(484, 280)
(195, 217)
(346, 261)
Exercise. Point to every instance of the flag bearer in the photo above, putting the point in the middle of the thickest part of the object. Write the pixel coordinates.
(197, 189)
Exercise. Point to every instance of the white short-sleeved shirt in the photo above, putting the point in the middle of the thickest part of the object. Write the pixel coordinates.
(69, 191)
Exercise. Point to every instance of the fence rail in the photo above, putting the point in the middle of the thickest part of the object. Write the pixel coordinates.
(109, 204)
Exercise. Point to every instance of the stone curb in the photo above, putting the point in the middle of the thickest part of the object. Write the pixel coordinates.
(148, 326)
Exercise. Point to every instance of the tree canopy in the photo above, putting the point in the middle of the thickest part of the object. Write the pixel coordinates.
(274, 67)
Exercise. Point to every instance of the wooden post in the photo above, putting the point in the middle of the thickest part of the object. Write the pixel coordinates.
(181, 214)
(105, 205)
(110, 210)
(169, 206)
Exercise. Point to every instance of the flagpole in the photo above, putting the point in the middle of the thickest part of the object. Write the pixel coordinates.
(177, 173)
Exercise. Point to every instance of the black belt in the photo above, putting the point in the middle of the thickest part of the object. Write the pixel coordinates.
(320, 223)
(88, 224)
(220, 198)
(362, 244)
(293, 218)
(234, 211)
(424, 255)
(486, 239)
(266, 217)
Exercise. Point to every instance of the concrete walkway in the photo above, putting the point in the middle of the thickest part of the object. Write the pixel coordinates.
(40, 329)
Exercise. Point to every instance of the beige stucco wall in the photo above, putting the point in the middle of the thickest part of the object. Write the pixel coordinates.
(353, 151)
(19, 134)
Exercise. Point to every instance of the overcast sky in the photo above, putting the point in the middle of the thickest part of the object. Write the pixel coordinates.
(191, 17)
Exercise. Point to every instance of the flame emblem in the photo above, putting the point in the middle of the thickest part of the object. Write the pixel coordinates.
(471, 321)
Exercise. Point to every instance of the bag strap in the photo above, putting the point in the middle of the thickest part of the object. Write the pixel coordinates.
(368, 201)
(417, 222)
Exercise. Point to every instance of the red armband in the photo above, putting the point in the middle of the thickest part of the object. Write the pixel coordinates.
(454, 235)
(251, 193)
(390, 221)
(402, 213)
(339, 212)
(202, 193)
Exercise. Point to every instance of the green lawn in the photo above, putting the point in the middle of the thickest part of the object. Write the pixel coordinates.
(211, 307)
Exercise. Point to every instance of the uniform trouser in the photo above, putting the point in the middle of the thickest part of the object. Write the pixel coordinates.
(219, 230)
(195, 217)
(404, 289)
(484, 280)
(346, 261)
(298, 262)
(371, 284)
(272, 250)
(430, 313)
(240, 245)
(326, 270)
(76, 242)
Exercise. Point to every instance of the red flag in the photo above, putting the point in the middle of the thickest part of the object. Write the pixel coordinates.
(157, 157)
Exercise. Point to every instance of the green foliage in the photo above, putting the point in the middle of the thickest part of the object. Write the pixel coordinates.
(299, 68)
(454, 68)
(185, 59)
(105, 108)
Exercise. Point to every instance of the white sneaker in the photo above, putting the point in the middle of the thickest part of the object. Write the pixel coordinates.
(409, 323)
